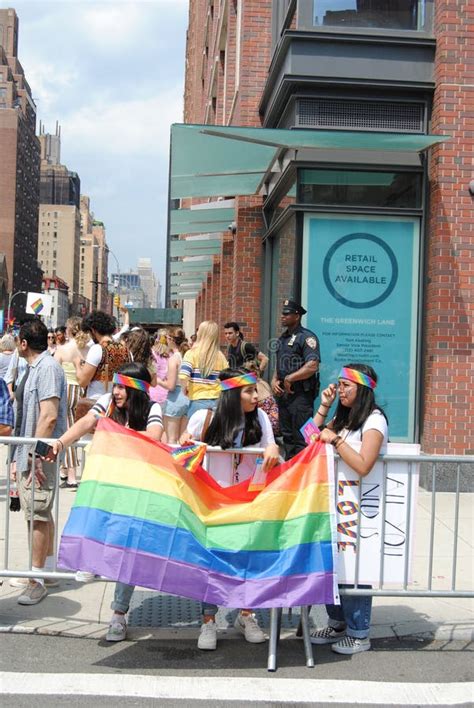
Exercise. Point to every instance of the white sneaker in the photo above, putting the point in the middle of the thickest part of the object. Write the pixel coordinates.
(351, 645)
(248, 626)
(117, 629)
(208, 636)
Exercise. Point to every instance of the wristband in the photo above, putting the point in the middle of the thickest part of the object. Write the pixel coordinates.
(325, 406)
(323, 415)
(61, 443)
(336, 440)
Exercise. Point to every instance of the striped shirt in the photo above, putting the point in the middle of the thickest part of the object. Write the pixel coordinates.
(101, 406)
(200, 387)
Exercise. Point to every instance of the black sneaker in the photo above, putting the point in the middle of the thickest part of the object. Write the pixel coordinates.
(328, 635)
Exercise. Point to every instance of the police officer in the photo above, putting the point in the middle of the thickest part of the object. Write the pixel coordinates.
(295, 381)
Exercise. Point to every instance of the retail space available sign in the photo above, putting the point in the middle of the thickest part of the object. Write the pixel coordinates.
(379, 509)
(360, 287)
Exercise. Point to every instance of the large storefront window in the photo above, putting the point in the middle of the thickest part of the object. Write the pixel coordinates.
(384, 14)
(401, 190)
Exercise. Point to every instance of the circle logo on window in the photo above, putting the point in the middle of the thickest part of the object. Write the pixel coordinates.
(360, 270)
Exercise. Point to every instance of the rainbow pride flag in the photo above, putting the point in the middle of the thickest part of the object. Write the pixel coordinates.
(37, 306)
(141, 518)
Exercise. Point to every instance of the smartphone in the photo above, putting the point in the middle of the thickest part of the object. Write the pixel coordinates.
(42, 449)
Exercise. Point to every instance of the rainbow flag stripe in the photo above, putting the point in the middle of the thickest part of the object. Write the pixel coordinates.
(37, 306)
(141, 518)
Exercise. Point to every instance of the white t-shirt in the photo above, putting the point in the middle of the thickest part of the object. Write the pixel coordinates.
(221, 466)
(375, 421)
(100, 407)
(94, 356)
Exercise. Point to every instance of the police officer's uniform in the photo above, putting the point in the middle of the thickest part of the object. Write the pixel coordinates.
(293, 351)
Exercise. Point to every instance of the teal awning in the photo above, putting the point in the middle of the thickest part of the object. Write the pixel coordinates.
(200, 266)
(198, 221)
(194, 247)
(186, 278)
(211, 160)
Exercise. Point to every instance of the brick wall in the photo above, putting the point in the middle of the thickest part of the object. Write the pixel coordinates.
(234, 289)
(448, 415)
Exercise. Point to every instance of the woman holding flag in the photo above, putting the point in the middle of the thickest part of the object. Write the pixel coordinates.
(358, 418)
(129, 405)
(236, 422)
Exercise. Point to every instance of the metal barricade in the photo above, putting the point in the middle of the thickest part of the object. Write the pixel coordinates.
(406, 586)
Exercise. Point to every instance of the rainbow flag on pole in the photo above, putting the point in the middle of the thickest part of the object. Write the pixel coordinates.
(141, 518)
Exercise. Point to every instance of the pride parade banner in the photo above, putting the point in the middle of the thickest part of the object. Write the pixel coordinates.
(142, 518)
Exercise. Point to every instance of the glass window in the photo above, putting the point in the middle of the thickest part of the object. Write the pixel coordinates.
(390, 14)
(361, 189)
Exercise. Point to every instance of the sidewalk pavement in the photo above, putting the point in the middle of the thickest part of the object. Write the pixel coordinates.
(83, 610)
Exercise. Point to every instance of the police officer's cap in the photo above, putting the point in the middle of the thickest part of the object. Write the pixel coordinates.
(290, 307)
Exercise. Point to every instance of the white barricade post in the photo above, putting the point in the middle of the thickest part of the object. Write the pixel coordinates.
(375, 510)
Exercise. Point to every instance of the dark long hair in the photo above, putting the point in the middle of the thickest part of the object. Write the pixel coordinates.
(138, 402)
(364, 404)
(229, 417)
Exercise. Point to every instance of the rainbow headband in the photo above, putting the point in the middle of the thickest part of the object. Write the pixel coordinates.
(249, 379)
(130, 382)
(357, 377)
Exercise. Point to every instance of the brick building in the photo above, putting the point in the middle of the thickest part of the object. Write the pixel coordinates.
(362, 211)
(19, 168)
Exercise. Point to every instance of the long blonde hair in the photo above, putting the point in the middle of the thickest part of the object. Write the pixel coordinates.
(73, 324)
(207, 346)
(160, 345)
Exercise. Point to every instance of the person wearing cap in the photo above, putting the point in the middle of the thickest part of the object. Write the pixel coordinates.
(295, 381)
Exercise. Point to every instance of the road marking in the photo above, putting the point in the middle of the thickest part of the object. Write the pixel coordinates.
(252, 690)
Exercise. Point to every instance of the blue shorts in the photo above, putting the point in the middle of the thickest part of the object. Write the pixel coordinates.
(202, 404)
(176, 404)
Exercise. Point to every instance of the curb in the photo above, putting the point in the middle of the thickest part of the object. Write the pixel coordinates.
(448, 632)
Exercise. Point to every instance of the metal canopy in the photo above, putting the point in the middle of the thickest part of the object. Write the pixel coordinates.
(200, 266)
(198, 221)
(210, 160)
(184, 247)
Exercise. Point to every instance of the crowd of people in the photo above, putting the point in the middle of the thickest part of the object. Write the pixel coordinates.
(57, 384)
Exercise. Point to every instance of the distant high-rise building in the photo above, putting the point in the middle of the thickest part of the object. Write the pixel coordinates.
(59, 223)
(147, 281)
(19, 168)
(100, 244)
(89, 257)
(128, 287)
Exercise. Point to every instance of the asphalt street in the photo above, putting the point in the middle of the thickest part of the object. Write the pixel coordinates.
(411, 671)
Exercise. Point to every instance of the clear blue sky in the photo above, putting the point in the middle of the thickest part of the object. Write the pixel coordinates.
(111, 73)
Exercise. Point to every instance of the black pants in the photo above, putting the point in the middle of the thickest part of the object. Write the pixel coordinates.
(294, 411)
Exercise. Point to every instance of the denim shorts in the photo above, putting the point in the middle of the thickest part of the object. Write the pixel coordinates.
(176, 404)
(202, 404)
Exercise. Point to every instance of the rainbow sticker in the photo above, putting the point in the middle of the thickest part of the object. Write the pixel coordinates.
(37, 306)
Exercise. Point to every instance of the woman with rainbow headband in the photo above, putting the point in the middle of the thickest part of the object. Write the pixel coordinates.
(357, 419)
(129, 404)
(236, 422)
